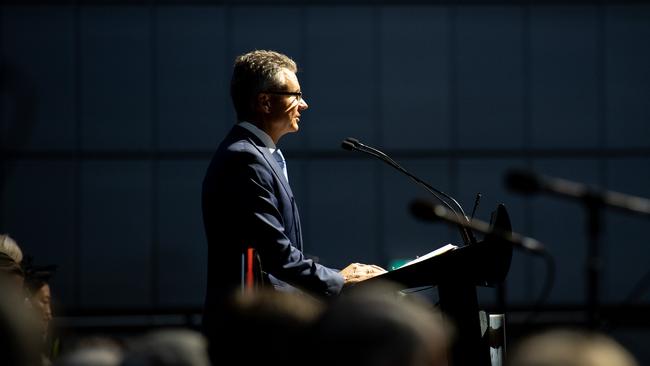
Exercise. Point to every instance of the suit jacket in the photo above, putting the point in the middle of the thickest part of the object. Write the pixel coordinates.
(247, 202)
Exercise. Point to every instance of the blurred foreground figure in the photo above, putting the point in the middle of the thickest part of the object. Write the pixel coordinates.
(378, 326)
(168, 348)
(267, 327)
(10, 248)
(570, 348)
(12, 275)
(37, 280)
(19, 331)
(93, 351)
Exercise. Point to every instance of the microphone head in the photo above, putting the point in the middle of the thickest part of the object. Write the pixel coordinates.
(352, 140)
(523, 181)
(423, 210)
(347, 145)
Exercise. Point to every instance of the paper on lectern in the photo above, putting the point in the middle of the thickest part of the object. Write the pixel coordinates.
(439, 251)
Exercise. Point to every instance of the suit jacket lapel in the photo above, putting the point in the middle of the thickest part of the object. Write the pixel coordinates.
(238, 133)
(277, 170)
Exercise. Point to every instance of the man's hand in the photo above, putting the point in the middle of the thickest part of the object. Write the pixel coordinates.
(357, 272)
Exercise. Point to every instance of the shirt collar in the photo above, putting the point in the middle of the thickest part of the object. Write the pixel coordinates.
(266, 139)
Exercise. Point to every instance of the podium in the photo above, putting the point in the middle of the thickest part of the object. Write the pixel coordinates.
(457, 273)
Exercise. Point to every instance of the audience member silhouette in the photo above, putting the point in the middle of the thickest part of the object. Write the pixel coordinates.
(93, 351)
(565, 347)
(169, 347)
(266, 327)
(38, 289)
(11, 248)
(379, 326)
(19, 336)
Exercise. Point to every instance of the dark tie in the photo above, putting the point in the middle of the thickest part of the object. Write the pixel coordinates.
(277, 154)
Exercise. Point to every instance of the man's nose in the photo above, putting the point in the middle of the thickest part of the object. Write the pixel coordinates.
(303, 104)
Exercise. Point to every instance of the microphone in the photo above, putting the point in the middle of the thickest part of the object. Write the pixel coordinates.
(528, 183)
(522, 181)
(430, 212)
(347, 145)
(350, 143)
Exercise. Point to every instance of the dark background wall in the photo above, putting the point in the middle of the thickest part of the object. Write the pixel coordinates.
(110, 114)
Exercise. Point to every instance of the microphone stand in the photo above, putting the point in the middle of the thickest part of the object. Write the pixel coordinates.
(593, 200)
(594, 261)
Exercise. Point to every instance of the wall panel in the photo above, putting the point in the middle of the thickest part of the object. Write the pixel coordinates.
(38, 97)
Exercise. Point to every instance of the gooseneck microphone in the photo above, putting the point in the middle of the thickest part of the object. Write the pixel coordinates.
(528, 183)
(430, 212)
(353, 144)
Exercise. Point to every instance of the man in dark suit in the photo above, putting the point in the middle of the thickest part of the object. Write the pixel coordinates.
(247, 200)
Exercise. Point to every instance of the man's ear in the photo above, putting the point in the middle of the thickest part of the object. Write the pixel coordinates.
(264, 103)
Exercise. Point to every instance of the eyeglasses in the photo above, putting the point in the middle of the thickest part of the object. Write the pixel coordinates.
(298, 95)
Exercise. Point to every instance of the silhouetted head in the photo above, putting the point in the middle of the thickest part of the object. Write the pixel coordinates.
(379, 326)
(564, 347)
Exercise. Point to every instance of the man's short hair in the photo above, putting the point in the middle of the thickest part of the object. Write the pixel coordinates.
(254, 73)
(10, 248)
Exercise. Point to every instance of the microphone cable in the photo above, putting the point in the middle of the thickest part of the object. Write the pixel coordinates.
(549, 281)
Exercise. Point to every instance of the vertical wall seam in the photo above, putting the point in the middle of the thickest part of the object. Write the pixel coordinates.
(304, 65)
(78, 187)
(527, 40)
(304, 169)
(3, 146)
(601, 46)
(380, 245)
(155, 162)
(453, 76)
(227, 55)
(453, 59)
(603, 163)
